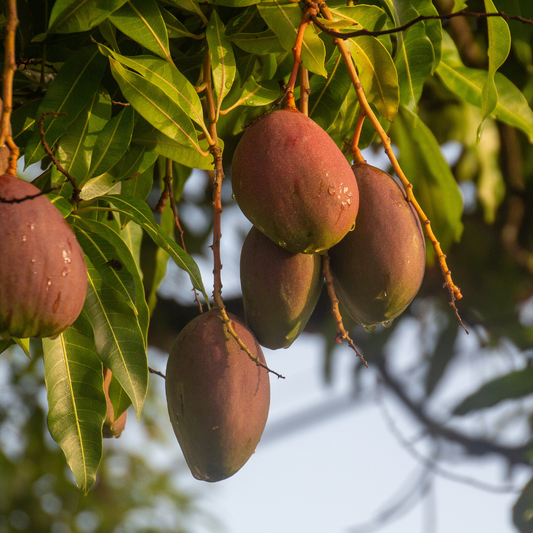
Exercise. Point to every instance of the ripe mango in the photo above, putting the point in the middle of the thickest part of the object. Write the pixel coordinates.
(218, 398)
(280, 289)
(293, 183)
(43, 277)
(378, 267)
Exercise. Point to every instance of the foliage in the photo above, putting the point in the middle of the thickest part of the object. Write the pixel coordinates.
(148, 90)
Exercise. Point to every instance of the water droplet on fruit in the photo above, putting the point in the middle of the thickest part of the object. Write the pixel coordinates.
(32, 227)
(64, 272)
(331, 190)
(382, 295)
(66, 258)
(233, 196)
(33, 260)
(24, 238)
(370, 327)
(48, 285)
(387, 323)
(282, 244)
(353, 227)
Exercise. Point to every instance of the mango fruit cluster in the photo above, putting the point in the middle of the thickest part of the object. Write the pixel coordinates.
(303, 199)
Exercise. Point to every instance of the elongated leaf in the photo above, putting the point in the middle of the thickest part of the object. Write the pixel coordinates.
(499, 48)
(511, 386)
(266, 42)
(5, 344)
(327, 95)
(142, 21)
(377, 71)
(112, 143)
(138, 186)
(23, 122)
(25, 345)
(414, 56)
(284, 20)
(167, 78)
(118, 339)
(140, 213)
(76, 400)
(156, 107)
(71, 16)
(104, 246)
(175, 28)
(192, 6)
(223, 64)
(118, 397)
(76, 146)
(258, 94)
(234, 3)
(434, 185)
(167, 147)
(73, 87)
(135, 162)
(132, 235)
(468, 83)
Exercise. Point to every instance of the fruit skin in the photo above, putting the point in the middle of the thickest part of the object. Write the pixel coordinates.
(43, 276)
(218, 398)
(378, 268)
(293, 183)
(280, 289)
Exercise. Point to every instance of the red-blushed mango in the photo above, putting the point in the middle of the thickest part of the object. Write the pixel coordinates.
(43, 276)
(379, 266)
(217, 397)
(293, 183)
(280, 289)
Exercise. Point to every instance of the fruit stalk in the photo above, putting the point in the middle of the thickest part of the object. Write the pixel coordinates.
(342, 334)
(454, 290)
(10, 66)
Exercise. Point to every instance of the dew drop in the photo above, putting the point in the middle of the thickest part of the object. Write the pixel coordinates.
(387, 323)
(370, 327)
(32, 227)
(282, 244)
(33, 260)
(66, 258)
(233, 196)
(24, 238)
(331, 190)
(64, 272)
(353, 227)
(48, 285)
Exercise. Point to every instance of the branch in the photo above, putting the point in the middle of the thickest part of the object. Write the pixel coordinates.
(76, 191)
(407, 25)
(519, 455)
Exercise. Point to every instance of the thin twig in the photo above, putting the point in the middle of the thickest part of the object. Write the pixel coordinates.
(341, 333)
(420, 18)
(305, 90)
(156, 372)
(113, 101)
(455, 292)
(354, 146)
(76, 191)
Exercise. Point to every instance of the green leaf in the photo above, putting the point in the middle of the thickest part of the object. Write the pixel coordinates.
(23, 122)
(71, 16)
(499, 48)
(167, 147)
(119, 399)
(155, 106)
(76, 400)
(111, 144)
(140, 213)
(118, 339)
(284, 20)
(415, 54)
(142, 21)
(433, 183)
(141, 185)
(25, 345)
(327, 95)
(133, 164)
(75, 148)
(192, 6)
(467, 83)
(511, 386)
(376, 68)
(266, 42)
(175, 28)
(234, 3)
(258, 94)
(223, 64)
(109, 33)
(523, 509)
(103, 245)
(167, 78)
(132, 235)
(72, 89)
(5, 344)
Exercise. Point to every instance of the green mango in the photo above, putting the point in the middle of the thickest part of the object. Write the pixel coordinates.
(293, 183)
(378, 267)
(280, 289)
(218, 398)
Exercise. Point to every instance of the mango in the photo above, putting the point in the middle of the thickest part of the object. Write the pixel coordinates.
(43, 276)
(280, 290)
(293, 183)
(378, 268)
(218, 398)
